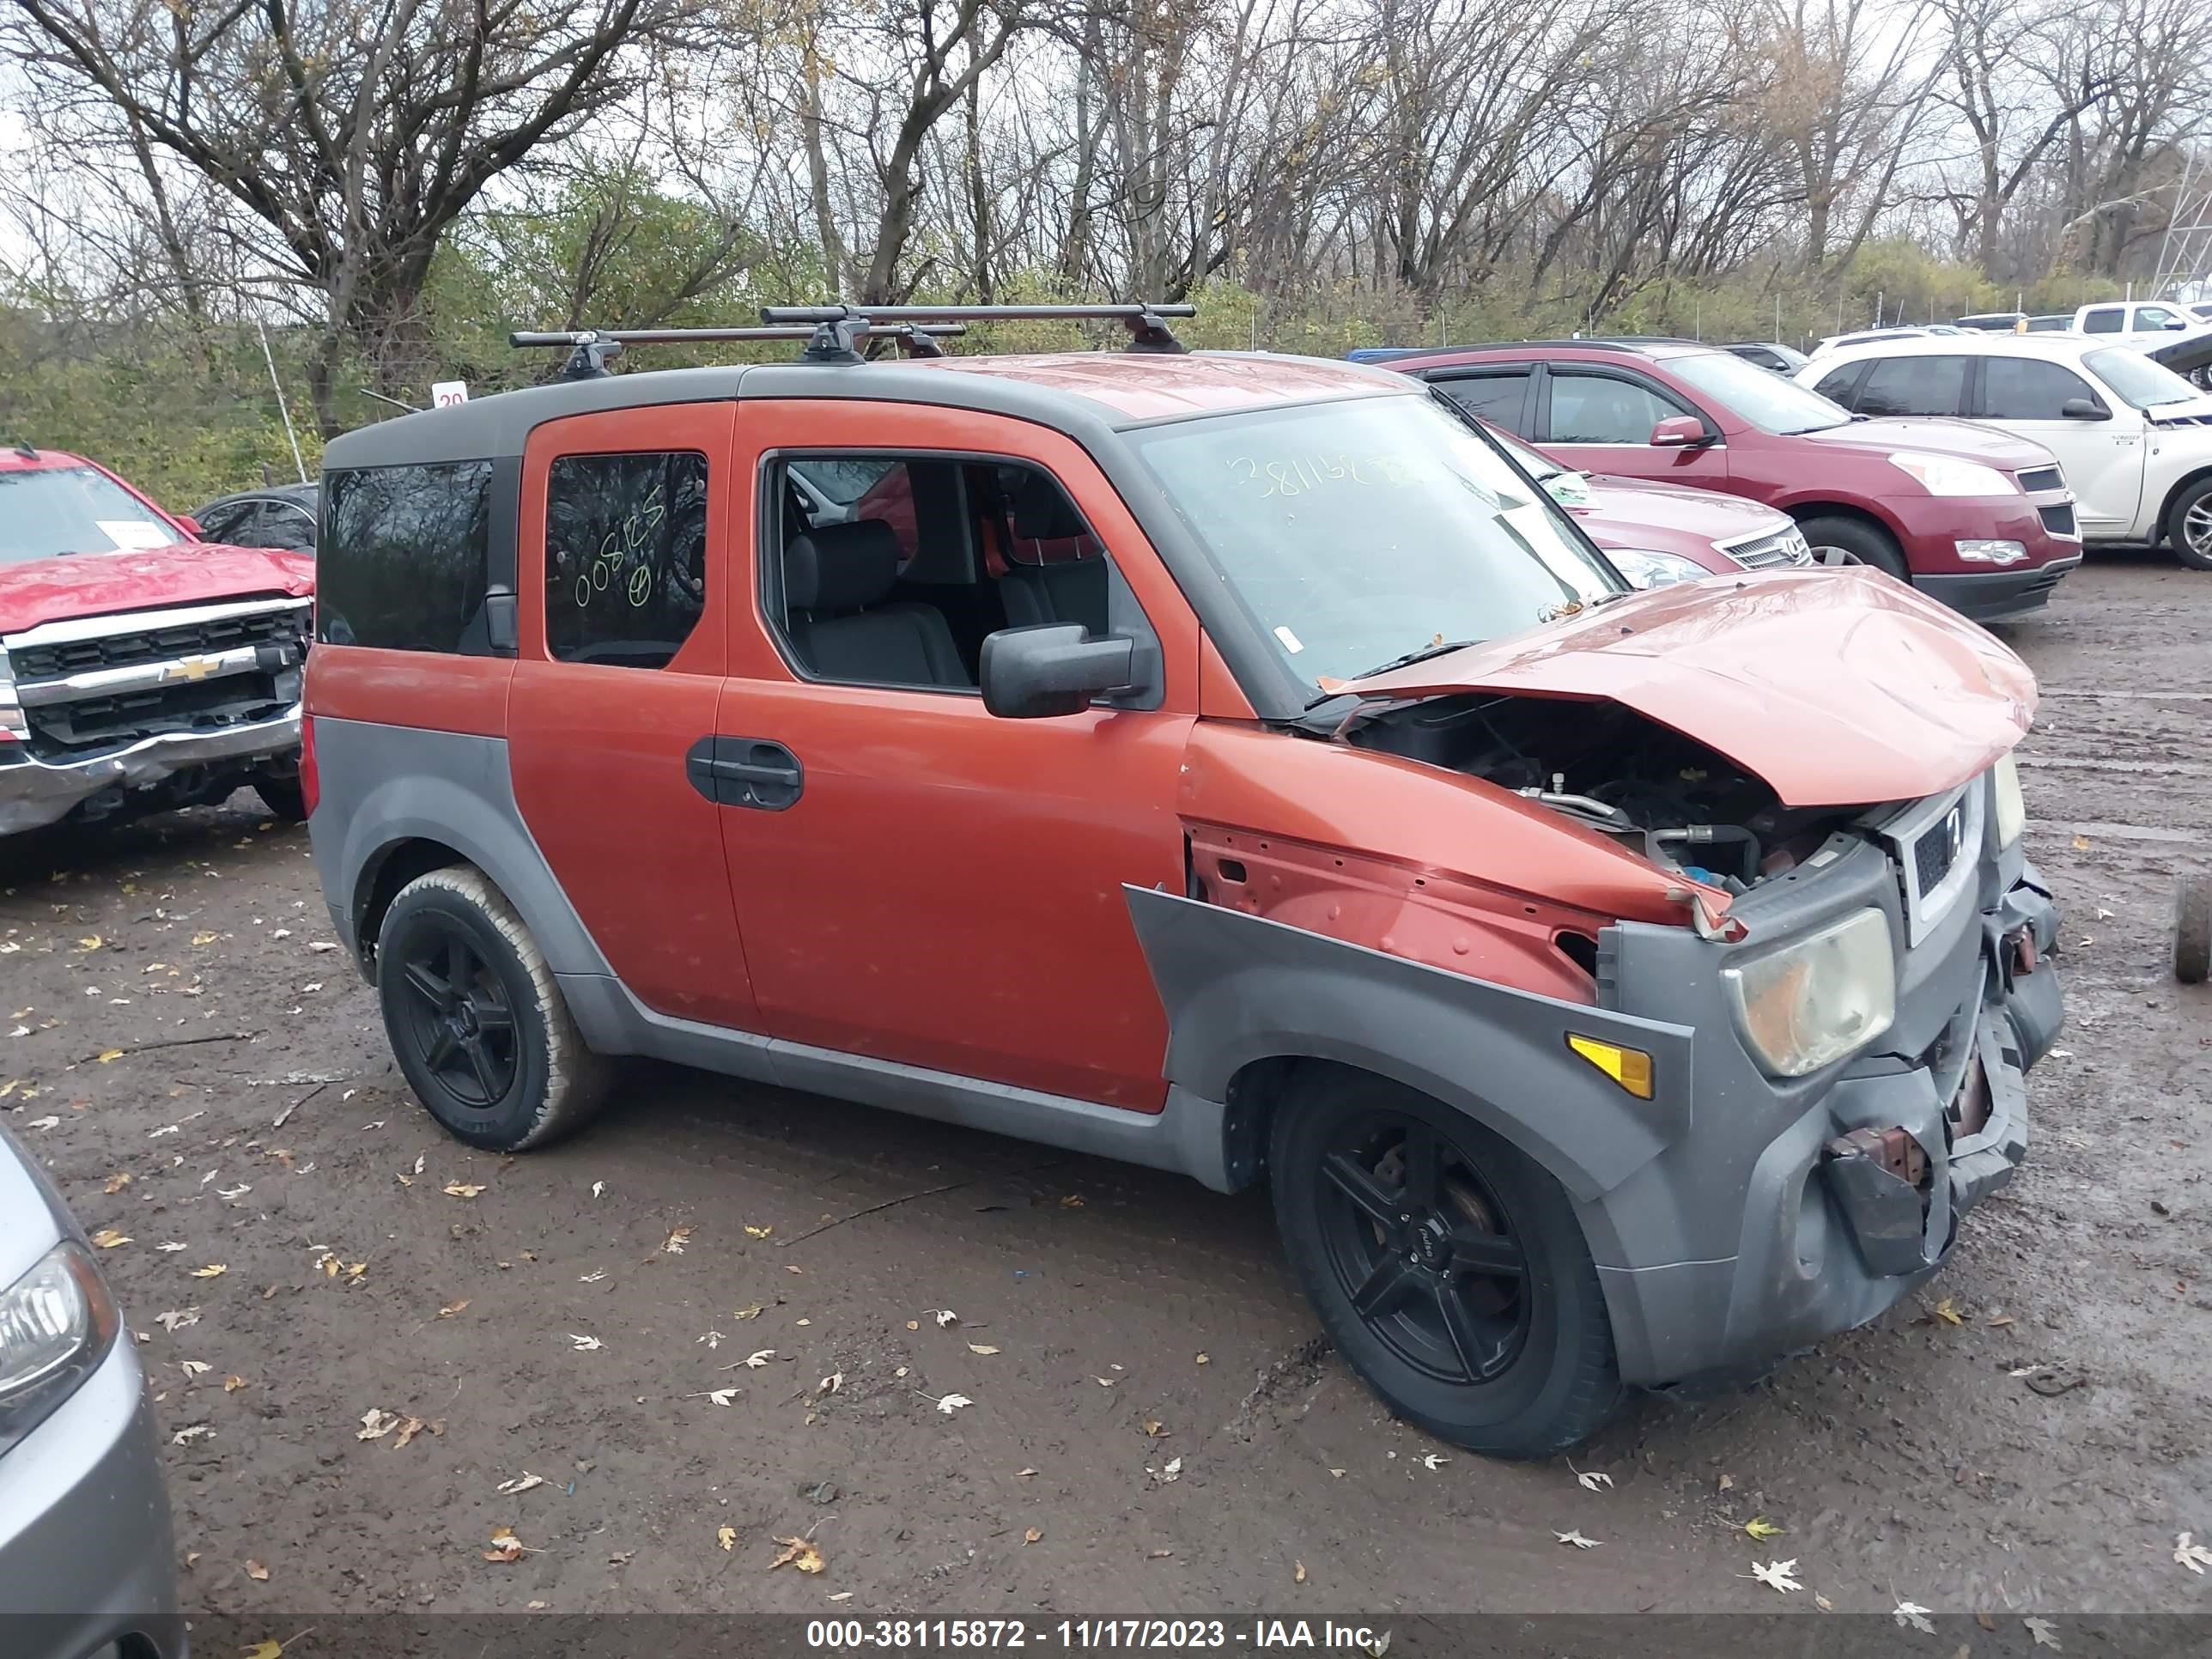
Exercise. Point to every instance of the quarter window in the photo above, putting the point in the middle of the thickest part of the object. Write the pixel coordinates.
(2023, 389)
(405, 556)
(625, 556)
(1914, 386)
(1598, 409)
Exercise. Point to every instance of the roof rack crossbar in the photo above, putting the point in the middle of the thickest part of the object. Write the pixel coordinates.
(591, 349)
(835, 325)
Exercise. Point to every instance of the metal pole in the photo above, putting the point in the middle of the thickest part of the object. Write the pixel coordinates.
(277, 385)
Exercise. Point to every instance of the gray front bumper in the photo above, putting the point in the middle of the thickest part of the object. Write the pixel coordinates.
(1751, 1238)
(86, 1552)
(35, 792)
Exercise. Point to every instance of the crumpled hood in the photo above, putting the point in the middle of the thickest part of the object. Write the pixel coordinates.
(1838, 688)
(150, 579)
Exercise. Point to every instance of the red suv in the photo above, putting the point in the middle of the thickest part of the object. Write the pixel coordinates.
(1977, 517)
(1245, 772)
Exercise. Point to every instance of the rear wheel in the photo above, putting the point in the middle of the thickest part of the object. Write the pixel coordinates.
(1849, 541)
(2189, 526)
(1446, 1265)
(2193, 930)
(475, 1020)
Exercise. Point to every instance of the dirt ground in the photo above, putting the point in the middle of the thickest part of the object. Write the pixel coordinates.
(573, 1320)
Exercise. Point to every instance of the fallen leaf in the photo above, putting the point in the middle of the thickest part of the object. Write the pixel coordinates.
(89, 942)
(116, 1182)
(798, 1553)
(107, 1238)
(727, 1537)
(375, 1424)
(206, 938)
(1574, 1536)
(1157, 1555)
(911, 1324)
(719, 1396)
(2001, 1321)
(452, 1308)
(758, 1232)
(1206, 1359)
(1591, 1479)
(753, 1312)
(585, 1344)
(1779, 1575)
(1987, 1621)
(1912, 1613)
(953, 1402)
(1031, 1536)
(43, 1123)
(830, 1383)
(1823, 1602)
(982, 1347)
(213, 1270)
(757, 1360)
(943, 1317)
(194, 1367)
(2044, 1632)
(674, 1244)
(597, 1186)
(186, 1435)
(523, 1482)
(461, 1189)
(1948, 1312)
(233, 1384)
(107, 1054)
(1760, 1528)
(1071, 1201)
(2080, 843)
(505, 1546)
(408, 1430)
(1432, 1462)
(2189, 1553)
(1104, 1381)
(176, 1319)
(264, 1648)
(1155, 1429)
(255, 1570)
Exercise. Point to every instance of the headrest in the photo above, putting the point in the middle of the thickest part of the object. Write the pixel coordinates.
(1043, 512)
(841, 567)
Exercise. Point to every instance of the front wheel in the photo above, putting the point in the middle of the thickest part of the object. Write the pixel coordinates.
(1848, 541)
(1447, 1266)
(2189, 526)
(475, 1018)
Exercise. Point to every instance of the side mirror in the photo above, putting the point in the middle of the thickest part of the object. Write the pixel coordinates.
(1678, 432)
(2174, 323)
(1034, 673)
(2084, 409)
(192, 527)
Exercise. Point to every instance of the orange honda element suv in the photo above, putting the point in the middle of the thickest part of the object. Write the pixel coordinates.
(1614, 988)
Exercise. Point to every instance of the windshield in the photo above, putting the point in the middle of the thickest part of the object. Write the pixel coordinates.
(1354, 533)
(1757, 395)
(2139, 382)
(46, 511)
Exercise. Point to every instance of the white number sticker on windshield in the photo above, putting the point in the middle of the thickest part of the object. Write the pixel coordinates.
(135, 533)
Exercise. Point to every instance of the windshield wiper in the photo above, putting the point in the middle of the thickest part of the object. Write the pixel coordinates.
(1438, 649)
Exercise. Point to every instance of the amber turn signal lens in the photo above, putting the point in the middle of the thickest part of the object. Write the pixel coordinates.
(1630, 1068)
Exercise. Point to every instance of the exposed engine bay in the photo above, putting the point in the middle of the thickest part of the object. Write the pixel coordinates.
(1659, 794)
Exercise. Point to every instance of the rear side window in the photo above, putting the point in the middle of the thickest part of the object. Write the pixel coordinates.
(406, 553)
(1914, 386)
(1837, 383)
(625, 556)
(2105, 320)
(1493, 398)
(2023, 389)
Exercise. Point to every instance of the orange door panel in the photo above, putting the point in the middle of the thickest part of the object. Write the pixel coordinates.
(598, 749)
(946, 889)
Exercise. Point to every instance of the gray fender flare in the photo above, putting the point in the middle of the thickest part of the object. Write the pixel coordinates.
(1238, 988)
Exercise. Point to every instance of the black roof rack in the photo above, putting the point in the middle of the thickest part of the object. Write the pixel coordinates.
(835, 326)
(590, 348)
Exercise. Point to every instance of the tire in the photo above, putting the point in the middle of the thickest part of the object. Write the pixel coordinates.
(1531, 1370)
(1850, 541)
(283, 796)
(2189, 526)
(2193, 930)
(499, 1064)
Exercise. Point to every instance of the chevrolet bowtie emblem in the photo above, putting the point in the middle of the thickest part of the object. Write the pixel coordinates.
(190, 668)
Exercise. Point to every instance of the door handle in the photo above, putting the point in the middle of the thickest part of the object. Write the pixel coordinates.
(755, 772)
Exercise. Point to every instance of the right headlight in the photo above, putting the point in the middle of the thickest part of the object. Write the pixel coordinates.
(1817, 998)
(2012, 810)
(56, 1323)
(1645, 567)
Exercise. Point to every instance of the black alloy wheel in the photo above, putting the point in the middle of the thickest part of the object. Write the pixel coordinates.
(1425, 1248)
(456, 1017)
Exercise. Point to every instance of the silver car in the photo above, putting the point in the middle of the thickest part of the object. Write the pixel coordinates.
(87, 1569)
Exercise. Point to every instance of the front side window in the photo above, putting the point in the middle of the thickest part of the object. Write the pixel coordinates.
(625, 556)
(1355, 533)
(1599, 409)
(281, 524)
(2157, 316)
(2137, 380)
(45, 512)
(1914, 386)
(1750, 393)
(405, 558)
(2024, 389)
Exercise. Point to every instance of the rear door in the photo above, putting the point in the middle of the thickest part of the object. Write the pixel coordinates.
(1598, 418)
(627, 518)
(2102, 458)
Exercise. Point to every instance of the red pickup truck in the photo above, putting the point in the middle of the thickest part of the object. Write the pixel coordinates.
(141, 668)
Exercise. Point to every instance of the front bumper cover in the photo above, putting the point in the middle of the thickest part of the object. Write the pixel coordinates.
(35, 792)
